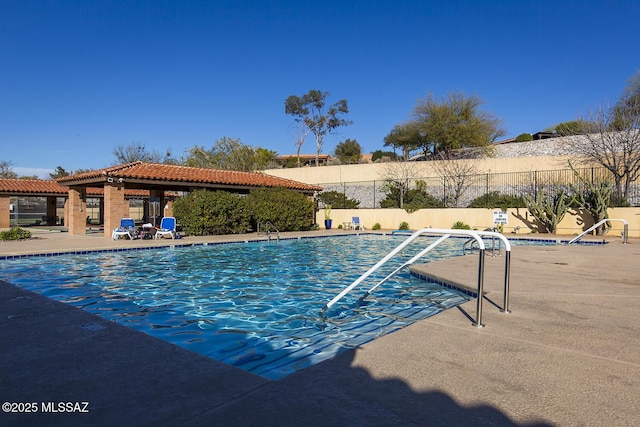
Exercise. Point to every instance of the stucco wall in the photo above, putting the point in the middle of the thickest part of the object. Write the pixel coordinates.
(390, 219)
(376, 171)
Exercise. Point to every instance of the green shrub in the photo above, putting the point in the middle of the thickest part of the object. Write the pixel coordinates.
(619, 201)
(15, 233)
(412, 200)
(459, 225)
(523, 137)
(404, 225)
(376, 226)
(287, 210)
(497, 200)
(338, 200)
(205, 212)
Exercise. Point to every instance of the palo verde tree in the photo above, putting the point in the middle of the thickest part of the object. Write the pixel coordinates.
(456, 122)
(321, 120)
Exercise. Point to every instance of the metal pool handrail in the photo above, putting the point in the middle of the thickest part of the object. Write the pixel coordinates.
(493, 245)
(625, 232)
(268, 224)
(445, 233)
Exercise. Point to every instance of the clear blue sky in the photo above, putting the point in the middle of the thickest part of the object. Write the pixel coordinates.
(78, 78)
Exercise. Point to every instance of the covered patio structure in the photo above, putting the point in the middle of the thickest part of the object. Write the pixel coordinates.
(157, 179)
(53, 194)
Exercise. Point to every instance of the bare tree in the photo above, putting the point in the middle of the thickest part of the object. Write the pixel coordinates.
(301, 134)
(6, 170)
(457, 174)
(137, 151)
(399, 175)
(613, 141)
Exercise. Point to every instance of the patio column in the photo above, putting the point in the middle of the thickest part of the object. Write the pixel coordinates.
(157, 196)
(52, 202)
(115, 207)
(5, 211)
(76, 210)
(101, 209)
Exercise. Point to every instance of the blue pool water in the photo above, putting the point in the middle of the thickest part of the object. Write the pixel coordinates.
(252, 305)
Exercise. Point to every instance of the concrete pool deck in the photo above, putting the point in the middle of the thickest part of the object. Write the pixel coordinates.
(568, 354)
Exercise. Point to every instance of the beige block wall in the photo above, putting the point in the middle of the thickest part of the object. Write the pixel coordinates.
(390, 219)
(376, 171)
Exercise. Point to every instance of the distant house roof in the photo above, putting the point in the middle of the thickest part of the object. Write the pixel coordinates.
(152, 175)
(303, 156)
(544, 135)
(305, 159)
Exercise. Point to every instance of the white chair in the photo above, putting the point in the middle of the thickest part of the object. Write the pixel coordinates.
(167, 226)
(355, 223)
(127, 228)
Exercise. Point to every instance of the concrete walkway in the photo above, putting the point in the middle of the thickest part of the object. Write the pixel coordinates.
(568, 354)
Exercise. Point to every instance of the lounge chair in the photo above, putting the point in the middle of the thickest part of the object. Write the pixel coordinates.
(355, 223)
(167, 226)
(127, 228)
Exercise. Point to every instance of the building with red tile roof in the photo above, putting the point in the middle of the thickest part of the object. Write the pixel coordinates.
(116, 184)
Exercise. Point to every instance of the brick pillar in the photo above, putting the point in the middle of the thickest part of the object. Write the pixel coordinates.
(115, 207)
(5, 212)
(76, 211)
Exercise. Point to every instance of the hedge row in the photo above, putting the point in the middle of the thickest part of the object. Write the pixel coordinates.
(205, 212)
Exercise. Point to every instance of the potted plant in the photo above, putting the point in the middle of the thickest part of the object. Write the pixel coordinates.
(327, 217)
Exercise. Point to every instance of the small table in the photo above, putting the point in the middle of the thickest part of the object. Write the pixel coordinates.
(346, 225)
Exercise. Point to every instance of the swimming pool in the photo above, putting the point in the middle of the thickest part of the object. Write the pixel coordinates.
(252, 305)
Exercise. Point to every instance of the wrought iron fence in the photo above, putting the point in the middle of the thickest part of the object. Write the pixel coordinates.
(462, 190)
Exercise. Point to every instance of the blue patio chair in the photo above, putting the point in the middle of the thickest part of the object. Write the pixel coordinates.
(127, 228)
(356, 223)
(167, 226)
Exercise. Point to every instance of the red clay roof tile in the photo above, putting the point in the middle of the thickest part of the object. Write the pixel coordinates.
(49, 187)
(186, 174)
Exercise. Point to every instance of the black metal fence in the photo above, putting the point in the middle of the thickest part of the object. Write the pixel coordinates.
(460, 191)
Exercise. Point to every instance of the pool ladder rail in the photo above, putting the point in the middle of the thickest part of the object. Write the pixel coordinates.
(468, 246)
(268, 228)
(444, 234)
(625, 232)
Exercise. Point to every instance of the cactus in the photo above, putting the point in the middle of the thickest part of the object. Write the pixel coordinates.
(549, 210)
(595, 199)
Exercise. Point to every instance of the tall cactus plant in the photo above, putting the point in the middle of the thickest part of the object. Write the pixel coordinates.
(549, 209)
(594, 198)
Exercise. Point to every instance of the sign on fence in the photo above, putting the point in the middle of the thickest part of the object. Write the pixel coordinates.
(500, 217)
